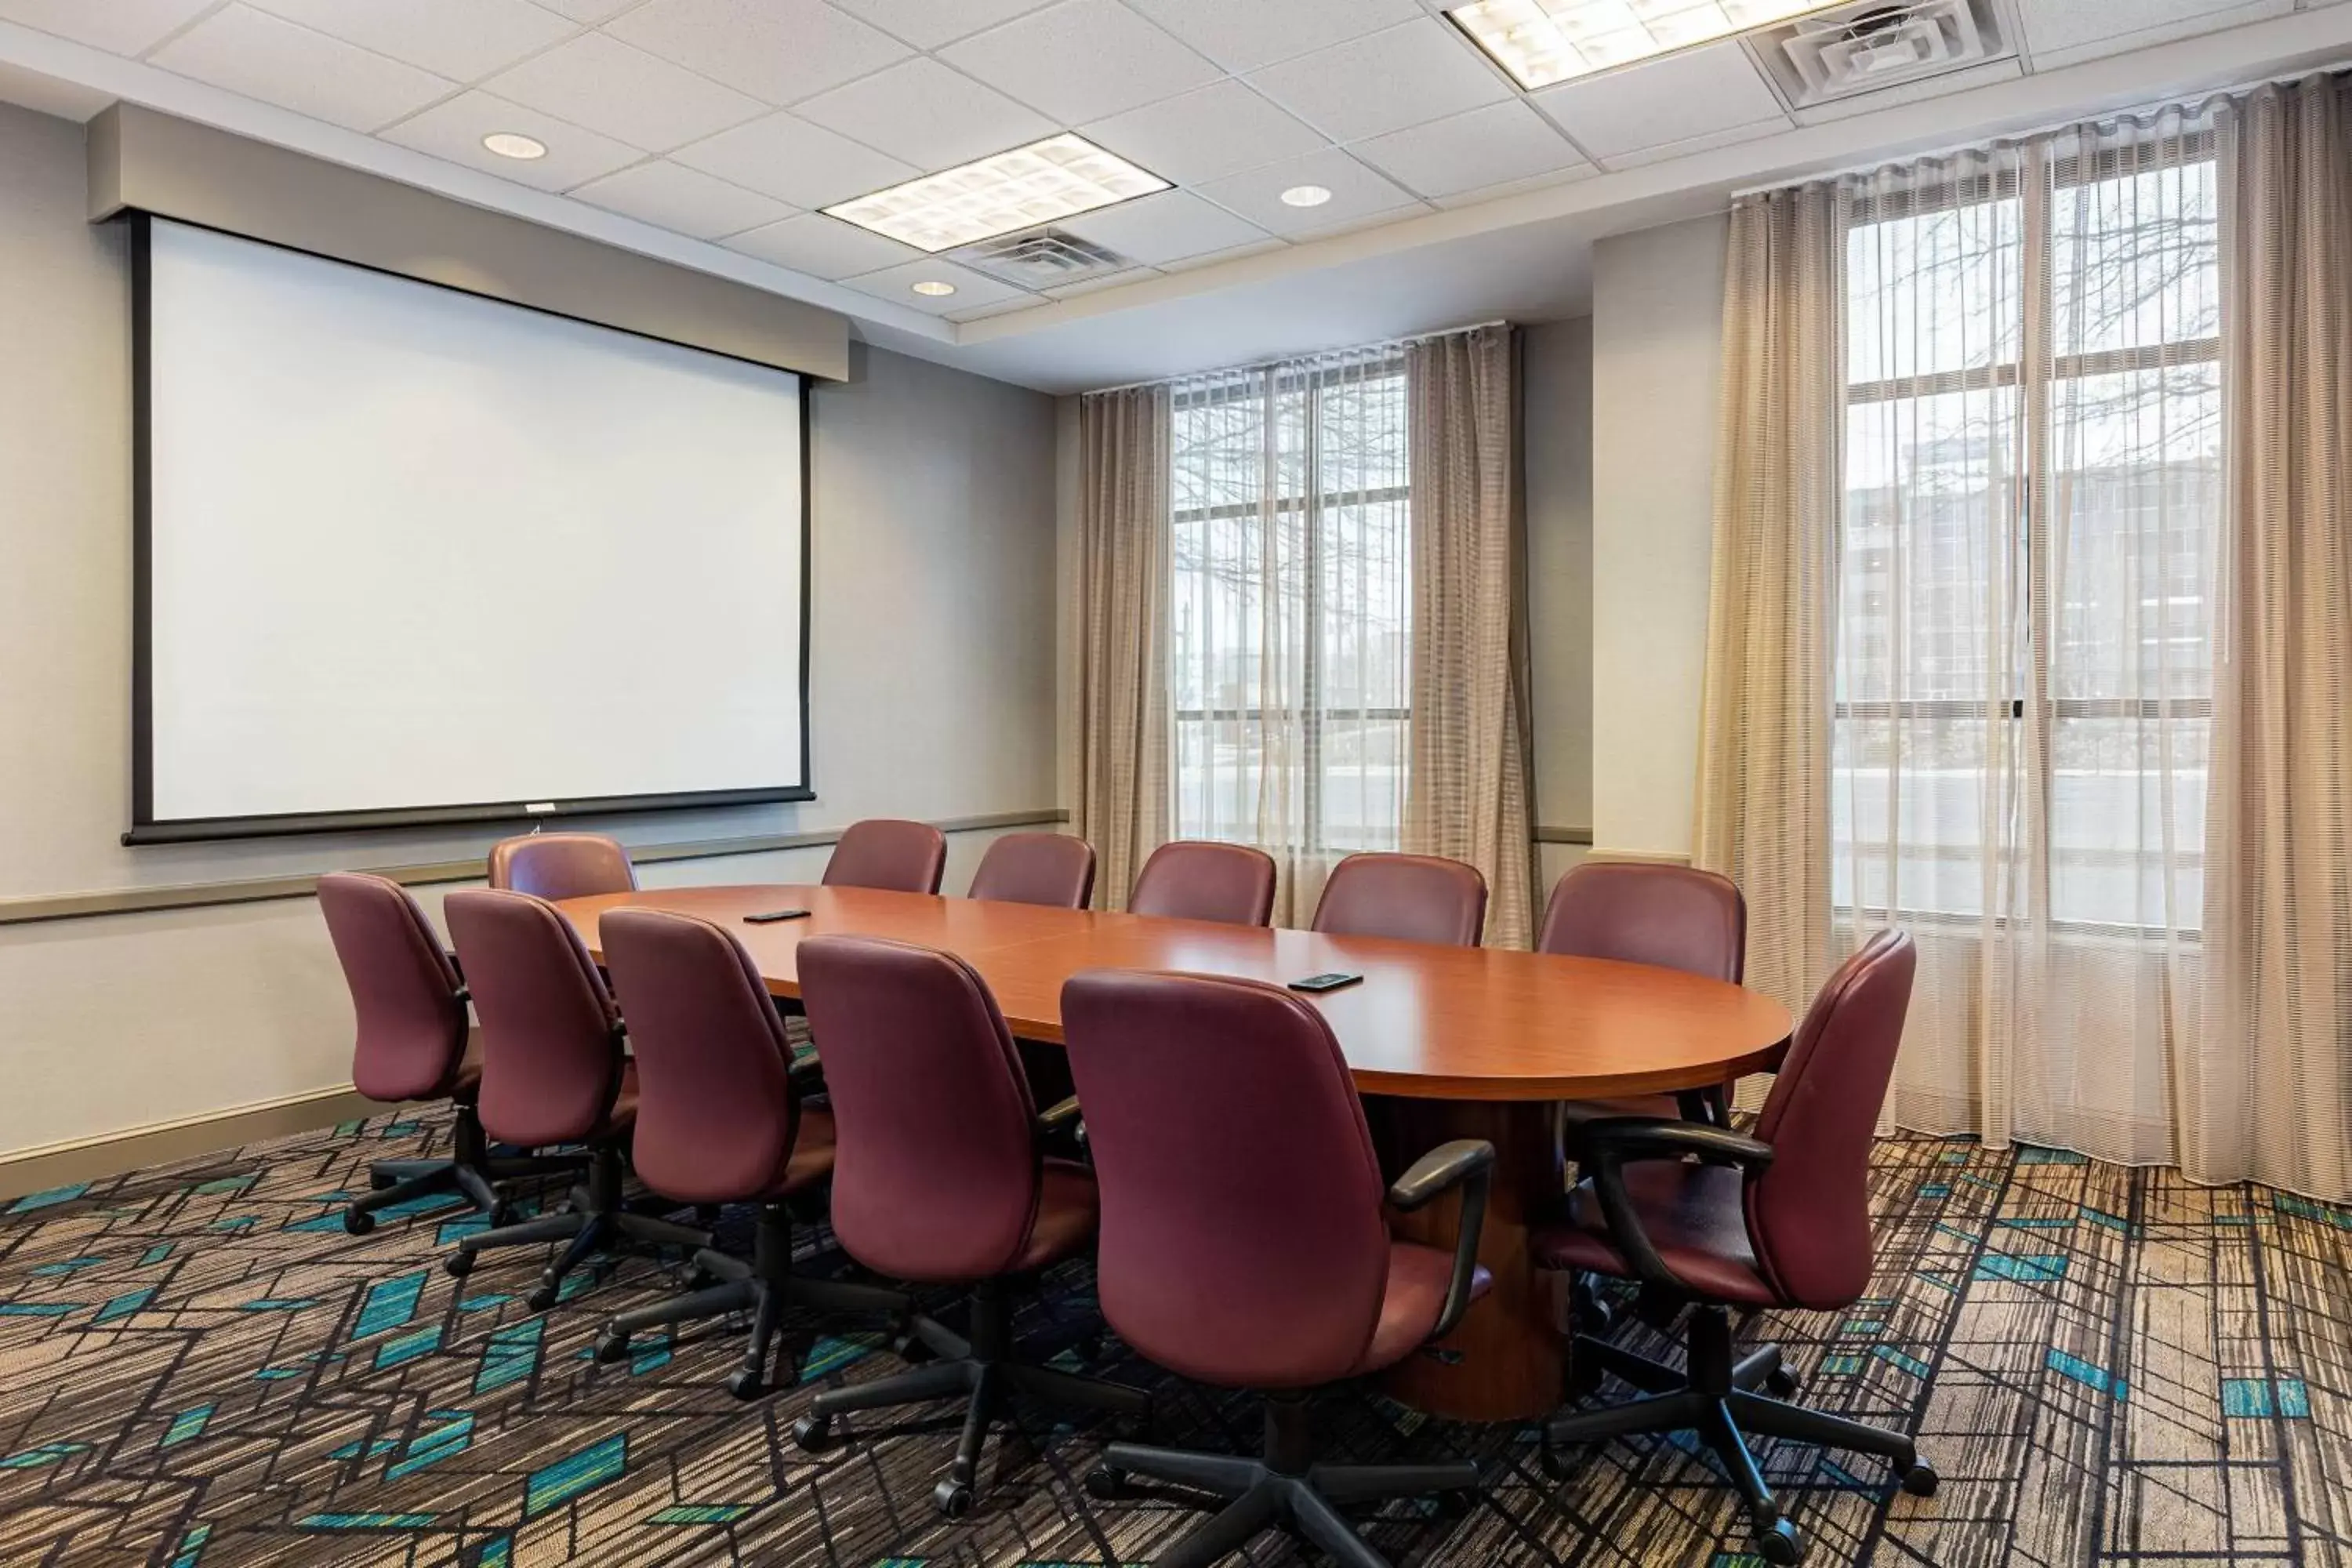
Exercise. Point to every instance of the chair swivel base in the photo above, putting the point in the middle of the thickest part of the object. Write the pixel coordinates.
(470, 1170)
(764, 1288)
(1718, 1399)
(596, 1221)
(1282, 1491)
(980, 1372)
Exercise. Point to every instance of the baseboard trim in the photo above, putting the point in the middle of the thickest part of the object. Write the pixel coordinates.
(54, 1165)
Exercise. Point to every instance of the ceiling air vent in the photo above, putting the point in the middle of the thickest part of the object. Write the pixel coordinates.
(1041, 259)
(1878, 44)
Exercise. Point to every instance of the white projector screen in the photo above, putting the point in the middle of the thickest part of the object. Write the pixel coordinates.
(409, 554)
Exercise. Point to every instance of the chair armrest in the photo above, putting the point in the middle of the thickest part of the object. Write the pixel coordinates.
(1613, 1143)
(1467, 1163)
(1056, 1117)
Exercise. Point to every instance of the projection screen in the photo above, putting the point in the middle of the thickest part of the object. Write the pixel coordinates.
(409, 554)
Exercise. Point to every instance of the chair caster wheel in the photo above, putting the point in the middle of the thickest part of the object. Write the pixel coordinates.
(813, 1434)
(543, 1297)
(458, 1264)
(746, 1384)
(909, 1349)
(1781, 1546)
(612, 1347)
(1920, 1479)
(378, 1183)
(1782, 1383)
(1553, 1463)
(358, 1223)
(1107, 1484)
(952, 1499)
(1455, 1507)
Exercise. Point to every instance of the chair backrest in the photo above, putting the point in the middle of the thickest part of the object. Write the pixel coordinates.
(561, 866)
(1674, 917)
(1052, 868)
(1201, 879)
(936, 1167)
(717, 1115)
(1414, 898)
(1243, 1241)
(892, 855)
(405, 995)
(552, 1053)
(1808, 1213)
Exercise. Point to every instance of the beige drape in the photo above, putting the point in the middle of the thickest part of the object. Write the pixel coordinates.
(1468, 772)
(1763, 814)
(2267, 1093)
(1123, 581)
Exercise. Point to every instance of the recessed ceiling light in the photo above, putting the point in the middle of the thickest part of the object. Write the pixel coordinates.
(934, 288)
(1541, 42)
(1055, 178)
(1306, 196)
(514, 145)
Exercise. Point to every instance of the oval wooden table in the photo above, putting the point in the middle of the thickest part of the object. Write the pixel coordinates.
(1443, 1042)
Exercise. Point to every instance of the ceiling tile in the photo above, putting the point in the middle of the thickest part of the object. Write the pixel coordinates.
(1357, 192)
(1001, 308)
(264, 58)
(1489, 146)
(1255, 247)
(462, 39)
(1220, 130)
(787, 158)
(777, 50)
(454, 130)
(1422, 70)
(822, 246)
(588, 10)
(605, 85)
(1675, 99)
(2061, 32)
(1081, 60)
(1567, 177)
(1730, 136)
(932, 116)
(1243, 35)
(121, 26)
(682, 200)
(1913, 91)
(1166, 228)
(928, 24)
(974, 290)
(1097, 285)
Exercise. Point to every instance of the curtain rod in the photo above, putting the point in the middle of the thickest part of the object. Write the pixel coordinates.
(1291, 359)
(2198, 102)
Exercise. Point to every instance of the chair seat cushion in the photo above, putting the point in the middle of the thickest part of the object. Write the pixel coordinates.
(1415, 1298)
(1068, 1209)
(812, 1158)
(1650, 1107)
(1692, 1215)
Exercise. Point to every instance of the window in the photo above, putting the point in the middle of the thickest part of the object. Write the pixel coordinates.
(1289, 608)
(2033, 496)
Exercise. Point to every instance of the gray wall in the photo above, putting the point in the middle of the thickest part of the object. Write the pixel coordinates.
(932, 691)
(1555, 447)
(1657, 356)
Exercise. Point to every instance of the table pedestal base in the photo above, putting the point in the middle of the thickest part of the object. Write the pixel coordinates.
(1505, 1360)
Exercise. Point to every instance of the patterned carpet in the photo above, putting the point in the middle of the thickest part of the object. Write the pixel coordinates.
(199, 1369)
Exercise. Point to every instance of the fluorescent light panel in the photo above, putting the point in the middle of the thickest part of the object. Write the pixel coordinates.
(1541, 42)
(1057, 178)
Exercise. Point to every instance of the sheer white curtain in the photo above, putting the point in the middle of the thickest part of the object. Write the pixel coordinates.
(1289, 635)
(2034, 498)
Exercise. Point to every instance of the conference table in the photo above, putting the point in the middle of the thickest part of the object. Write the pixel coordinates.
(1444, 1042)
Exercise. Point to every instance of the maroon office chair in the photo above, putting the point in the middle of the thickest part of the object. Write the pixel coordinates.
(412, 1042)
(1413, 898)
(1671, 917)
(1244, 1242)
(553, 1071)
(938, 1179)
(719, 1121)
(1779, 1220)
(1050, 869)
(890, 855)
(555, 865)
(1201, 879)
